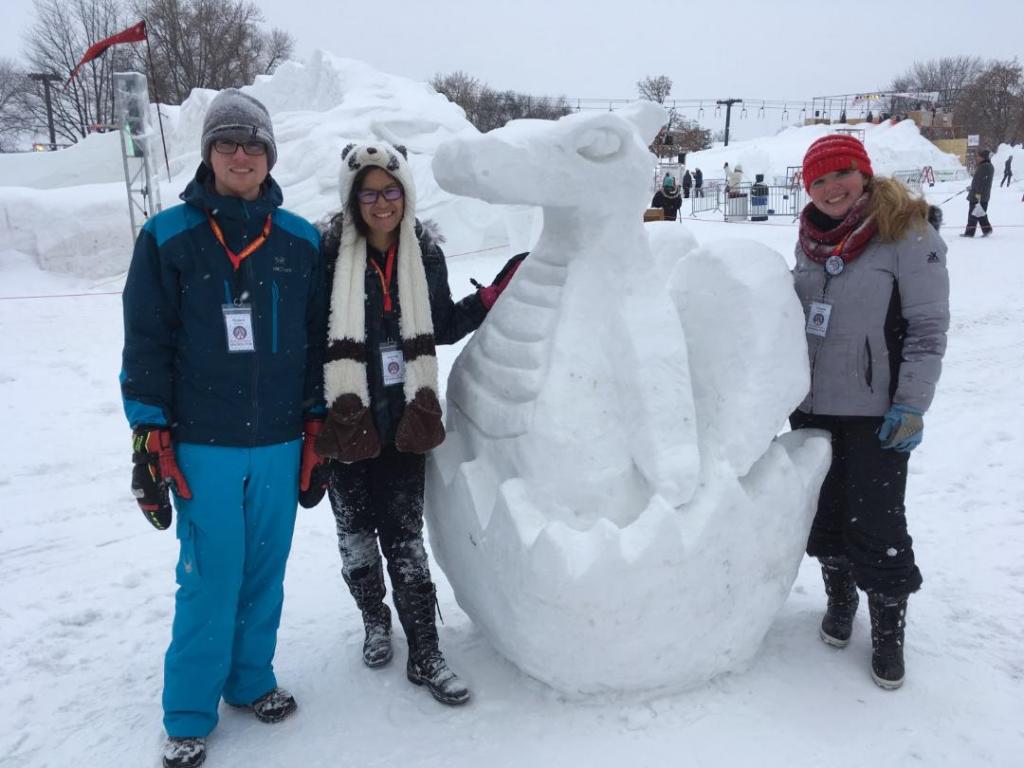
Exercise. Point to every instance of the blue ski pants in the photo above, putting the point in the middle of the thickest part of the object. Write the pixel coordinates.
(235, 534)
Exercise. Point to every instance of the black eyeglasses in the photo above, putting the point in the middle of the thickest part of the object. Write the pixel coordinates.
(369, 196)
(228, 147)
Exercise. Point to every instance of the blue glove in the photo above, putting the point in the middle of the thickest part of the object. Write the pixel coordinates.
(902, 428)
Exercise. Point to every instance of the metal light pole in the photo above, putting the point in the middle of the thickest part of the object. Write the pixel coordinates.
(728, 113)
(46, 80)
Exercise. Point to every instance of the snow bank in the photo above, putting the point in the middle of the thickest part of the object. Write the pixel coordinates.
(899, 147)
(318, 107)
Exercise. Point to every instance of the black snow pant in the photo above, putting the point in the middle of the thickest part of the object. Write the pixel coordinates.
(861, 514)
(381, 499)
(1007, 178)
(973, 221)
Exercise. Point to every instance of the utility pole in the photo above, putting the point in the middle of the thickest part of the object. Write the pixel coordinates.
(46, 80)
(728, 114)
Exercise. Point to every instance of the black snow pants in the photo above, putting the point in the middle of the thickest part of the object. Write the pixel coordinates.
(861, 513)
(973, 221)
(381, 499)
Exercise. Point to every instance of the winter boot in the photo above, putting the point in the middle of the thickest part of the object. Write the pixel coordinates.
(888, 619)
(415, 604)
(368, 591)
(274, 706)
(184, 752)
(837, 624)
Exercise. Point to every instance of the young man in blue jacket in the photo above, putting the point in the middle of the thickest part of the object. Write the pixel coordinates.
(224, 322)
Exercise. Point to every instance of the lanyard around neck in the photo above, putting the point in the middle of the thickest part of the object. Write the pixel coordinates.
(237, 258)
(386, 274)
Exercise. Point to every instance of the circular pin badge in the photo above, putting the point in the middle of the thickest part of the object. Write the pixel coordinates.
(834, 265)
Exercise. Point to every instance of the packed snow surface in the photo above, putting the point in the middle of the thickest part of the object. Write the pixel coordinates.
(86, 585)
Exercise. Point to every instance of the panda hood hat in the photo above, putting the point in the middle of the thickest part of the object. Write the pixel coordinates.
(349, 433)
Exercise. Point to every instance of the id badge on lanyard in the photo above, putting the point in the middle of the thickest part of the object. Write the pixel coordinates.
(238, 325)
(392, 363)
(818, 315)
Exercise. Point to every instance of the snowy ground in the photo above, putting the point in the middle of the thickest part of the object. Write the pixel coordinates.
(86, 585)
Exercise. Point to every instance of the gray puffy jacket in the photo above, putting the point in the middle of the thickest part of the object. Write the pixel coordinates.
(887, 330)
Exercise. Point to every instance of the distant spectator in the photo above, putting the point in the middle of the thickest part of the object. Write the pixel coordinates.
(687, 183)
(668, 199)
(978, 194)
(733, 180)
(1007, 172)
(698, 183)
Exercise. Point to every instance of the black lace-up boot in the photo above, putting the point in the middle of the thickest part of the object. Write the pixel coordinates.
(888, 620)
(368, 590)
(184, 752)
(837, 624)
(415, 605)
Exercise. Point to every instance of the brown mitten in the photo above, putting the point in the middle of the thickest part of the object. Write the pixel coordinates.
(420, 428)
(348, 433)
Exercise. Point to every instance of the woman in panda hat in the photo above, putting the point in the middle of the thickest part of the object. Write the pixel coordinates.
(390, 305)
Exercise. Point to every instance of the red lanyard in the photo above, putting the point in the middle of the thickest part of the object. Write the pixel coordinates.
(385, 276)
(236, 258)
(838, 250)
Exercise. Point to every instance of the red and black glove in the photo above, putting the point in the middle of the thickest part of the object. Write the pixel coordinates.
(313, 470)
(155, 469)
(490, 293)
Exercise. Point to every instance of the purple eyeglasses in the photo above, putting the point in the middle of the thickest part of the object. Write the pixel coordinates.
(369, 196)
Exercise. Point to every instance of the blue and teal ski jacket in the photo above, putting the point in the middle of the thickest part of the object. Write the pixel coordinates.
(176, 367)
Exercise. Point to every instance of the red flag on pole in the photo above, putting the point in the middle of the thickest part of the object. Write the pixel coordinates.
(134, 34)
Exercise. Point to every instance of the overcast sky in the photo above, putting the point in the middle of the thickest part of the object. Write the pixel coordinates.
(788, 50)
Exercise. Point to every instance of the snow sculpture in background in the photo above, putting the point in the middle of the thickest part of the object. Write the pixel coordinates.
(611, 505)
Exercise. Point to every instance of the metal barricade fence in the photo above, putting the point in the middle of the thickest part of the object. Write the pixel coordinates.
(782, 200)
(912, 179)
(707, 198)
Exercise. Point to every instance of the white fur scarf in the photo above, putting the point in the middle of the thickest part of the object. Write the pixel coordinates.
(345, 371)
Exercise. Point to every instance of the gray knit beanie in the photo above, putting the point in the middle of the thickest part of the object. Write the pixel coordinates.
(239, 117)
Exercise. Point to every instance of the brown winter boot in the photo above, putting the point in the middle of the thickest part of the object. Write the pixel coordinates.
(415, 605)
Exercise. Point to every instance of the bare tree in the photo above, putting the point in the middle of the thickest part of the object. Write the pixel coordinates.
(208, 44)
(487, 108)
(494, 109)
(458, 87)
(947, 74)
(55, 43)
(655, 88)
(690, 136)
(15, 88)
(993, 104)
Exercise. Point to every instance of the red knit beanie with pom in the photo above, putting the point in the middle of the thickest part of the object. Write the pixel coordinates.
(838, 152)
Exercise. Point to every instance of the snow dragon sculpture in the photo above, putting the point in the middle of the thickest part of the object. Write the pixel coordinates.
(611, 505)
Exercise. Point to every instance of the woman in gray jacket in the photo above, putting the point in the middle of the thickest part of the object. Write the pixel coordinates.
(871, 275)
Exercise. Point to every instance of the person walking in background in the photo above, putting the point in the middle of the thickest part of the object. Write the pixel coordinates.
(687, 182)
(668, 199)
(390, 304)
(871, 275)
(978, 196)
(224, 316)
(698, 183)
(1007, 172)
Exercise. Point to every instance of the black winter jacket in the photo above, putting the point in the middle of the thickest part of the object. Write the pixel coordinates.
(176, 367)
(981, 184)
